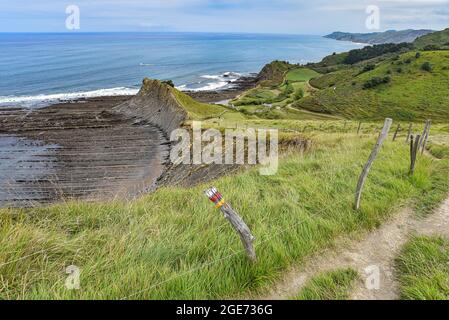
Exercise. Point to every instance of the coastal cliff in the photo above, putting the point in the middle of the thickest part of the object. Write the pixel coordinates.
(156, 104)
(273, 73)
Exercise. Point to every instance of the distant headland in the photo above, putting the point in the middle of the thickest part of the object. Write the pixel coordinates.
(390, 36)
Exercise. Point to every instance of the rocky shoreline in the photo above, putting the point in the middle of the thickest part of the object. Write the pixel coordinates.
(215, 96)
(78, 151)
(95, 149)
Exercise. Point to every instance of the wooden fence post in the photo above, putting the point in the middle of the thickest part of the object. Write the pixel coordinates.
(360, 127)
(426, 135)
(396, 132)
(414, 147)
(383, 135)
(410, 127)
(235, 220)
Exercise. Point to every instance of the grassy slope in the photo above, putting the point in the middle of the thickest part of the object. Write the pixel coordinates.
(439, 151)
(440, 39)
(334, 285)
(413, 94)
(331, 79)
(424, 269)
(438, 144)
(174, 244)
(330, 63)
(301, 74)
(199, 111)
(253, 103)
(273, 73)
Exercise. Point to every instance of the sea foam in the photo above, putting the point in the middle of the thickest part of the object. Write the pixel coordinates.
(46, 99)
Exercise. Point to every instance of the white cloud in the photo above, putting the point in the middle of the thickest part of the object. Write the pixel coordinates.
(278, 16)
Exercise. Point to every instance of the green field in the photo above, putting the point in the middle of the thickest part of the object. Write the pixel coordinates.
(423, 269)
(301, 74)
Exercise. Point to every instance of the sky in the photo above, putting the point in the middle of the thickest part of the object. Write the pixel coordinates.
(248, 16)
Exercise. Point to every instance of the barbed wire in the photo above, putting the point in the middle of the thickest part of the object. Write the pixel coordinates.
(241, 251)
(238, 252)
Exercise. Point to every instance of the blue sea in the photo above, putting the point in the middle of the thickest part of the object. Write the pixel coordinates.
(38, 69)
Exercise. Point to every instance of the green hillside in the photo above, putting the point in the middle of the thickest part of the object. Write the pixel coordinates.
(410, 86)
(405, 81)
(201, 111)
(437, 40)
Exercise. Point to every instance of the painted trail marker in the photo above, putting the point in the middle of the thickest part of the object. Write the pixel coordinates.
(235, 220)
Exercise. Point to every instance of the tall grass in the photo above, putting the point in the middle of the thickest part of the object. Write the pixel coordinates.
(174, 245)
(333, 285)
(423, 269)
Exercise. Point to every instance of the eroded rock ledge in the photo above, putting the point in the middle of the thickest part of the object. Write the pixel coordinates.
(155, 104)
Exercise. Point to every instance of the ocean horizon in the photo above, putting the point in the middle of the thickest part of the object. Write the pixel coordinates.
(38, 69)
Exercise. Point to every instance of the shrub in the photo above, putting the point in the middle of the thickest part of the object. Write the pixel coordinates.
(376, 81)
(431, 47)
(370, 52)
(369, 67)
(426, 66)
(408, 60)
(399, 70)
(299, 94)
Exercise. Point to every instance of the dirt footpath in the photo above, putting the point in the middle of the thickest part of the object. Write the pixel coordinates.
(377, 249)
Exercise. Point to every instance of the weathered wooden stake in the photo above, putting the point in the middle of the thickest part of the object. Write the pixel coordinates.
(383, 135)
(396, 132)
(409, 133)
(414, 147)
(426, 135)
(236, 221)
(360, 127)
